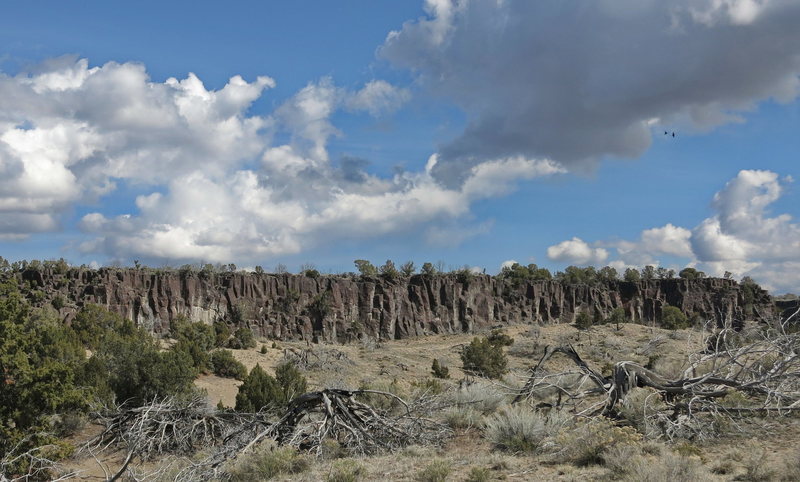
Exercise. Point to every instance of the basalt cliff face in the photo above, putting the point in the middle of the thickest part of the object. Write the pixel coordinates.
(344, 308)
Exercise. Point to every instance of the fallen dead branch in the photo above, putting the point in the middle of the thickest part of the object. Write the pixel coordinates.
(339, 415)
(764, 371)
(317, 359)
(35, 464)
(170, 428)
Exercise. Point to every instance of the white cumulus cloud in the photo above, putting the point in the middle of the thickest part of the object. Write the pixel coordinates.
(577, 251)
(214, 186)
(68, 132)
(741, 237)
(576, 81)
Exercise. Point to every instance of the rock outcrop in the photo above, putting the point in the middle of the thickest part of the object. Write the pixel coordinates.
(788, 308)
(343, 308)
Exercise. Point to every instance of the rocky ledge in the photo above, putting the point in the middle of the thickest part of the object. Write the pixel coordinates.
(345, 307)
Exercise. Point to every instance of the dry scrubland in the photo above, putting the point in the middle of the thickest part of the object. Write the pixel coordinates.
(486, 442)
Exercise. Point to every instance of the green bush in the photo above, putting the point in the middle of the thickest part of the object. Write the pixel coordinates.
(94, 374)
(617, 317)
(58, 302)
(40, 361)
(196, 340)
(583, 321)
(222, 333)
(498, 337)
(428, 269)
(517, 274)
(262, 391)
(438, 370)
(92, 323)
(259, 391)
(138, 371)
(225, 365)
(242, 338)
(691, 274)
(632, 276)
(291, 382)
(673, 318)
(320, 306)
(465, 276)
(484, 358)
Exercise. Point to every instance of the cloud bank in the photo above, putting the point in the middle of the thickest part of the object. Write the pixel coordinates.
(577, 81)
(217, 187)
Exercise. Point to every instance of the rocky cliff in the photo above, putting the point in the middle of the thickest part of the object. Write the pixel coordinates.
(343, 308)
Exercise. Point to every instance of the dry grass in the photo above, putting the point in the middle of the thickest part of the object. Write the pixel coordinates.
(463, 418)
(436, 471)
(346, 470)
(518, 429)
(268, 462)
(668, 468)
(638, 408)
(582, 453)
(480, 396)
(588, 442)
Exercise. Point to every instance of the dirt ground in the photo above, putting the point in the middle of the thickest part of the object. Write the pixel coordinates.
(406, 362)
(410, 360)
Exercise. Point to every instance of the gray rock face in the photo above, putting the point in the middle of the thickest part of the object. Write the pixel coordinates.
(344, 308)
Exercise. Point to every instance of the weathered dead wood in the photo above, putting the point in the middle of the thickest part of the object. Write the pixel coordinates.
(338, 415)
(764, 370)
(35, 462)
(170, 428)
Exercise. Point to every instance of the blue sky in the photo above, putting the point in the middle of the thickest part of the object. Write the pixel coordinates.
(469, 132)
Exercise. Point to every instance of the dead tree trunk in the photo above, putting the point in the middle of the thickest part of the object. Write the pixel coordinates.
(765, 370)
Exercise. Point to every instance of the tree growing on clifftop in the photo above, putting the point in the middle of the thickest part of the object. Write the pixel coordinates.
(428, 269)
(388, 271)
(632, 276)
(518, 274)
(408, 268)
(365, 268)
(691, 273)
